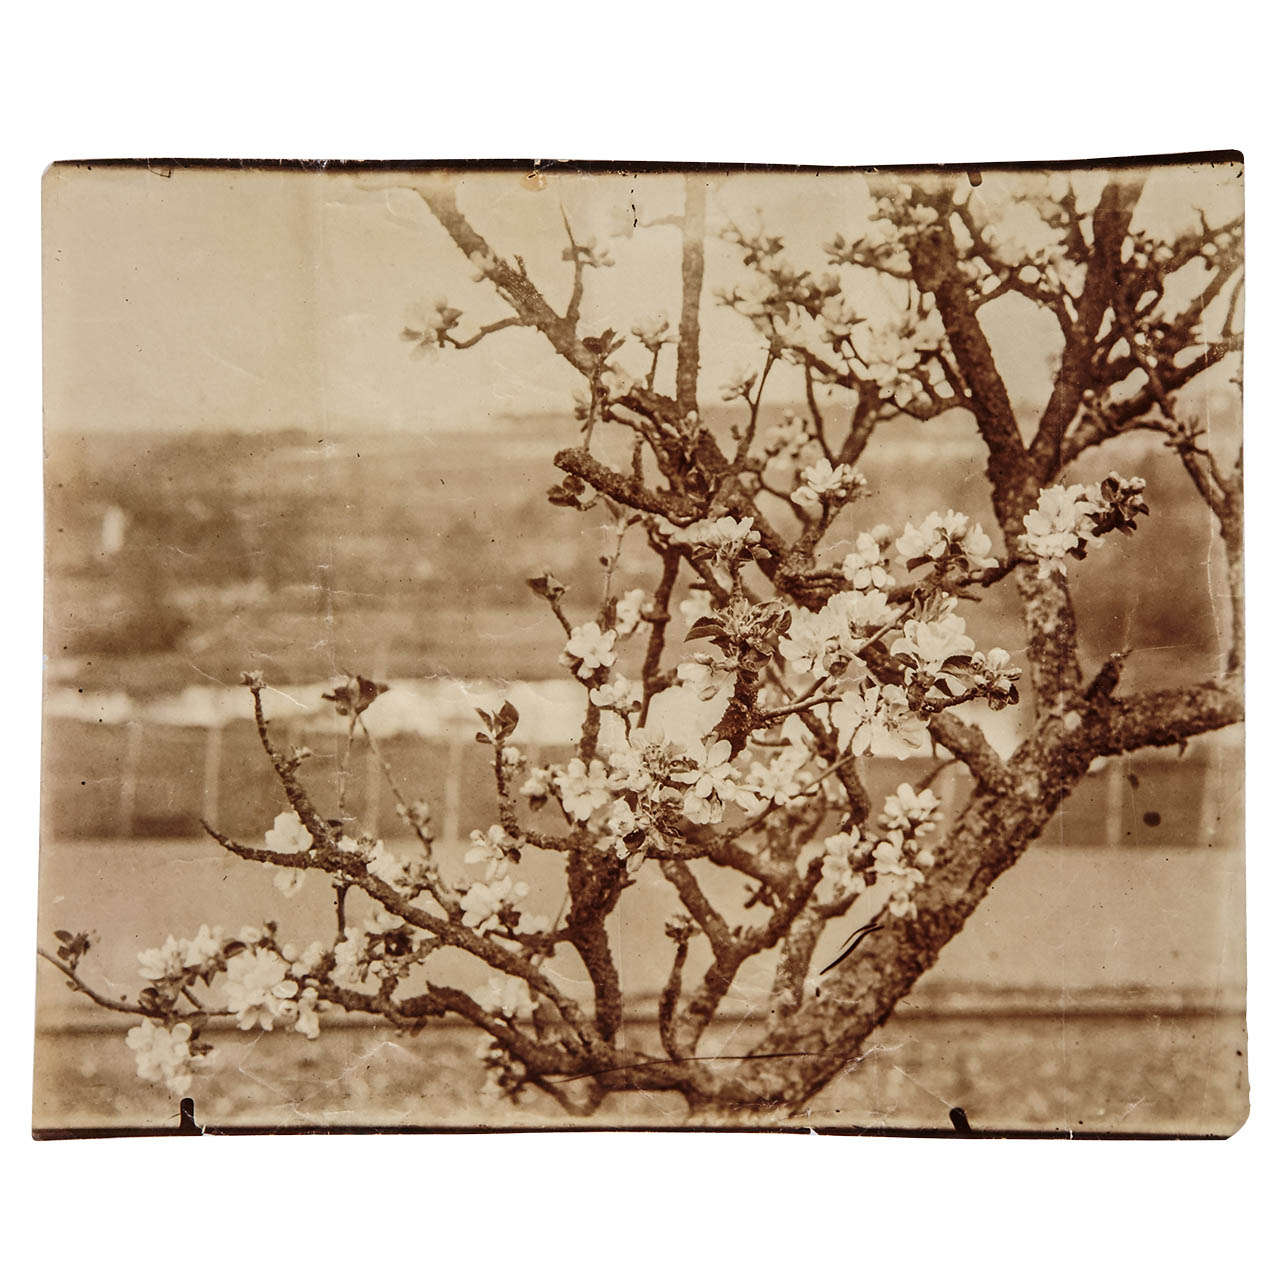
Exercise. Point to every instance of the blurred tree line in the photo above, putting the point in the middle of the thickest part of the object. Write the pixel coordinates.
(159, 543)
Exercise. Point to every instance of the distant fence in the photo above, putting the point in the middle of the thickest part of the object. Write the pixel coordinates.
(141, 779)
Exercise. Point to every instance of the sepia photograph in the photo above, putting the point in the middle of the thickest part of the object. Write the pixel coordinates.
(545, 646)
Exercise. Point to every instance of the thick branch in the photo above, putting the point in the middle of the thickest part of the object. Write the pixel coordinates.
(696, 904)
(595, 881)
(1168, 717)
(626, 489)
(691, 268)
(1111, 219)
(968, 743)
(934, 265)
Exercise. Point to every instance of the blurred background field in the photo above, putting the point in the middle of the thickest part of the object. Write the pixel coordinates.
(182, 559)
(1100, 985)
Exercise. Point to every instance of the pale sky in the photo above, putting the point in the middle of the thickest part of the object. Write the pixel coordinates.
(218, 298)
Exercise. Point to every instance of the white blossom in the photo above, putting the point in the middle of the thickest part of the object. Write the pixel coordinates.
(902, 886)
(839, 319)
(859, 611)
(930, 643)
(728, 539)
(289, 881)
(530, 922)
(537, 786)
(694, 606)
(508, 996)
(621, 821)
(431, 326)
(491, 848)
(483, 902)
(878, 722)
(782, 779)
(995, 673)
(259, 989)
(653, 332)
(787, 437)
(583, 790)
(867, 564)
(618, 694)
(645, 764)
(713, 781)
(588, 650)
(308, 961)
(307, 1016)
(483, 263)
(617, 385)
(822, 481)
(387, 866)
(168, 961)
(202, 948)
(809, 643)
(976, 545)
(842, 853)
(287, 834)
(163, 962)
(707, 678)
(889, 855)
(1068, 519)
(892, 868)
(348, 956)
(627, 612)
(1061, 524)
(738, 386)
(910, 811)
(163, 1054)
(890, 354)
(828, 642)
(941, 536)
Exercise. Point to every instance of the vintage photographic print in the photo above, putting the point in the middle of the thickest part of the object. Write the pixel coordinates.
(545, 646)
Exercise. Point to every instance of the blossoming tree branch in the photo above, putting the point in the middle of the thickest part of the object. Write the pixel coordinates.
(803, 660)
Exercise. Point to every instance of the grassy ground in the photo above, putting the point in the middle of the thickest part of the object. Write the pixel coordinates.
(1182, 1074)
